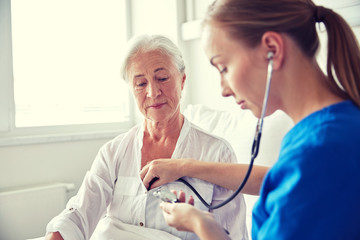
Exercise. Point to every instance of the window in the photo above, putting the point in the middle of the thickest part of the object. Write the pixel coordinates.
(65, 65)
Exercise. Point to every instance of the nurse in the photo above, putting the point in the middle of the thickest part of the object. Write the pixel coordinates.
(313, 190)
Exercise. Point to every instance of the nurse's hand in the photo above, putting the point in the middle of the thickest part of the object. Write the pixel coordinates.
(181, 216)
(185, 217)
(176, 215)
(166, 170)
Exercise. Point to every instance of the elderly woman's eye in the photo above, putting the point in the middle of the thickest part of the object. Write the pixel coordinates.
(163, 79)
(141, 84)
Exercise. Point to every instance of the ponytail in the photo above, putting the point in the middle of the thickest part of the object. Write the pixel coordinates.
(343, 55)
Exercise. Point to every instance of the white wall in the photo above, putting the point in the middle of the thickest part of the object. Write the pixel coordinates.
(46, 163)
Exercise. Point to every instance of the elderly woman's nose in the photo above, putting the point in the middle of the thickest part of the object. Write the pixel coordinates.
(153, 90)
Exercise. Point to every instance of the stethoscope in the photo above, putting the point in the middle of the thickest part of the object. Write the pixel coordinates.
(254, 151)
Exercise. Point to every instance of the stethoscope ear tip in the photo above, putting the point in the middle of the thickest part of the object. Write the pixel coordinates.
(270, 55)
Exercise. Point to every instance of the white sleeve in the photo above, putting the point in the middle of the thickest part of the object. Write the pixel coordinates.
(83, 211)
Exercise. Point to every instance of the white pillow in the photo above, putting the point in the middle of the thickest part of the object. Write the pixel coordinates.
(238, 128)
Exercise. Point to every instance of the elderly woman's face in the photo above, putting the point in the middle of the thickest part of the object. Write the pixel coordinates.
(156, 85)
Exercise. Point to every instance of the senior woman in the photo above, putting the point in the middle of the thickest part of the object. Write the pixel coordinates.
(112, 191)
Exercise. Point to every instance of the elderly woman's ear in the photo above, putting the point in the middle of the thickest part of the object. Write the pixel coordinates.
(183, 81)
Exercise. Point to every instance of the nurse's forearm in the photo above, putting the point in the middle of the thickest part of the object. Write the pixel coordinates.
(208, 229)
(228, 175)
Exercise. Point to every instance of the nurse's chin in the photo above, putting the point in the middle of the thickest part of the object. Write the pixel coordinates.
(258, 113)
(255, 111)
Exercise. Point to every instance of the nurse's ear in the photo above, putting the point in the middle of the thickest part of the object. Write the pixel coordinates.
(273, 42)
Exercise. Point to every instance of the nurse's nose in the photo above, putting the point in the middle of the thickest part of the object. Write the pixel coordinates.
(225, 89)
(153, 90)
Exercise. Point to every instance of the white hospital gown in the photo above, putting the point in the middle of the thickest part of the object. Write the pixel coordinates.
(113, 188)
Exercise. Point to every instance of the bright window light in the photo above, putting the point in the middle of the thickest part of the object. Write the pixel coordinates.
(66, 61)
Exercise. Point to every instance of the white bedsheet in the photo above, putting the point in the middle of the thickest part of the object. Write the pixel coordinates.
(111, 228)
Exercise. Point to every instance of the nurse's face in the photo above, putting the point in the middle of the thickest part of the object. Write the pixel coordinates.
(156, 84)
(242, 69)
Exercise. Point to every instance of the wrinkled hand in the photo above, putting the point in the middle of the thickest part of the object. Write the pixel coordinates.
(167, 170)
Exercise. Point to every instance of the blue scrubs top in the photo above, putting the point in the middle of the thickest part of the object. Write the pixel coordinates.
(313, 190)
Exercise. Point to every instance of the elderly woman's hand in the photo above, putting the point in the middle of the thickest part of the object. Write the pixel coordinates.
(166, 170)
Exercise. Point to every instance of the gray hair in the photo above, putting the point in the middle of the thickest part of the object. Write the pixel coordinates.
(147, 43)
